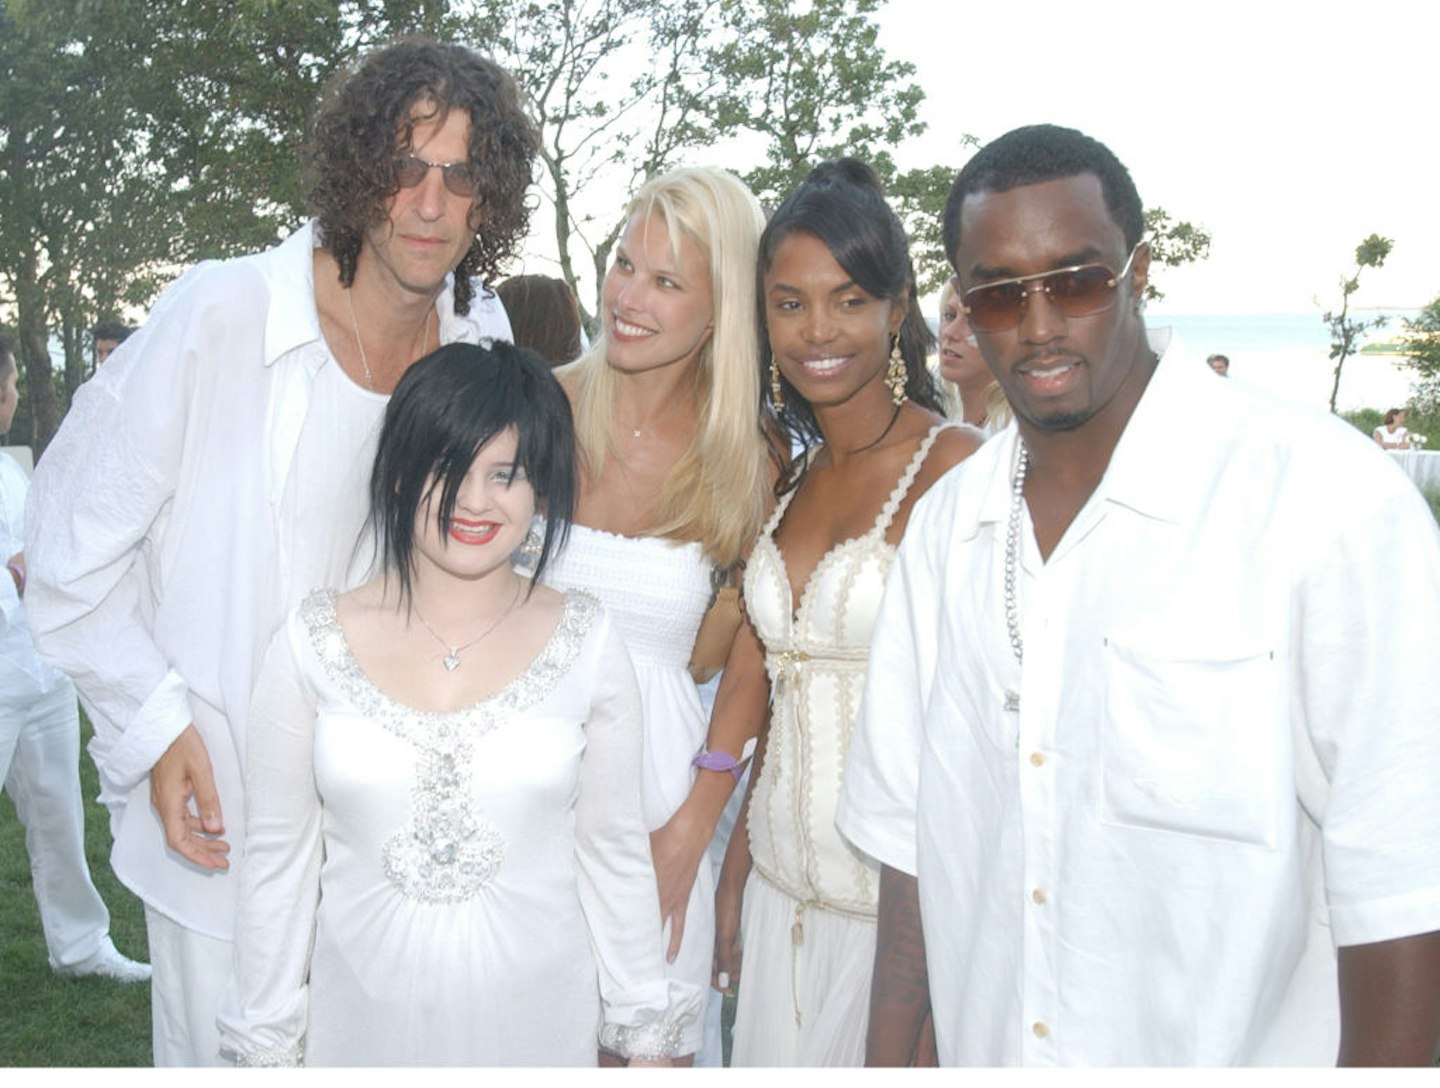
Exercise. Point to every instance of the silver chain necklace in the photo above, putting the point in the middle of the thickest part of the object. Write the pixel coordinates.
(1012, 553)
(364, 361)
(451, 660)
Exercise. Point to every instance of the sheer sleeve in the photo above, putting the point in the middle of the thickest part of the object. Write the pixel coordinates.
(643, 1011)
(264, 1010)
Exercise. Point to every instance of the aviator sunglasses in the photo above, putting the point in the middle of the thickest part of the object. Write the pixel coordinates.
(1078, 291)
(461, 178)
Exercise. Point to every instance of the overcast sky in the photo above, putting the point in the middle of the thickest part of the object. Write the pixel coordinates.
(1288, 132)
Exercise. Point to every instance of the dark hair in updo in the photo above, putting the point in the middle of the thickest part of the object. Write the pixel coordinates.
(843, 204)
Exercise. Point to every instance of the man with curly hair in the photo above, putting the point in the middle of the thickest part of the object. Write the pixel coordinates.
(217, 470)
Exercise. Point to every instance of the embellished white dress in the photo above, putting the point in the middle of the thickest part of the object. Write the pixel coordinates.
(463, 888)
(656, 592)
(808, 926)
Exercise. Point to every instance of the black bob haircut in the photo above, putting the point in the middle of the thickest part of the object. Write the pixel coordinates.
(446, 407)
(843, 204)
(1040, 153)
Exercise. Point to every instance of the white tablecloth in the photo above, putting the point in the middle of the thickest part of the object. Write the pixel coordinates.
(1422, 466)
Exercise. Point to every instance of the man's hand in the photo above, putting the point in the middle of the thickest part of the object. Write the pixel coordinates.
(900, 990)
(181, 773)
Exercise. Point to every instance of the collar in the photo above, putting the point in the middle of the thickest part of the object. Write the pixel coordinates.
(292, 320)
(1163, 460)
(1159, 464)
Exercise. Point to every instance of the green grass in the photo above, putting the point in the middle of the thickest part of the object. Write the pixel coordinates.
(1433, 498)
(46, 1020)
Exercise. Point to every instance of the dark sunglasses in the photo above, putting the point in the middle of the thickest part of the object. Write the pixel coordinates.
(1078, 291)
(461, 178)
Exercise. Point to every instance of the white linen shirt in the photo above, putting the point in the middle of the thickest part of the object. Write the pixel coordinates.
(1223, 764)
(158, 556)
(22, 673)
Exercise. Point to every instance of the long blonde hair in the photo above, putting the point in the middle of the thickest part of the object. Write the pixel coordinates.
(717, 492)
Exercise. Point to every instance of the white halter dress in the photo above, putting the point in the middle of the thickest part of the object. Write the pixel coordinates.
(810, 903)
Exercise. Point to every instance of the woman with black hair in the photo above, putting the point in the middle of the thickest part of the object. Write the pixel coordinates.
(846, 370)
(447, 859)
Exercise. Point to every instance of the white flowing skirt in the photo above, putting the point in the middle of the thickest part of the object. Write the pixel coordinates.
(825, 979)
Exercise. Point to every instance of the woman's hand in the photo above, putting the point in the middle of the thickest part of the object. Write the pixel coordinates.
(677, 849)
(725, 970)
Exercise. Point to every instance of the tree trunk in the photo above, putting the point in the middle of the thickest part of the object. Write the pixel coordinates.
(77, 350)
(34, 357)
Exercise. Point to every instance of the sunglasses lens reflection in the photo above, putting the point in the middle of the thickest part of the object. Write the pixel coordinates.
(1078, 292)
(460, 177)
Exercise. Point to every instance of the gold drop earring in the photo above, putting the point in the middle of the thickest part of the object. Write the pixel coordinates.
(895, 375)
(777, 395)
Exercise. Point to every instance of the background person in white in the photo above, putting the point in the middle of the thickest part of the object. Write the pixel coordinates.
(215, 470)
(40, 751)
(1216, 765)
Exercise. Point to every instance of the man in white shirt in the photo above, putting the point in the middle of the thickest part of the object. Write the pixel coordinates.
(217, 469)
(1147, 747)
(40, 751)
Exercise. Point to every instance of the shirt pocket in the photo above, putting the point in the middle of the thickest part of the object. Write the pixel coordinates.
(1193, 740)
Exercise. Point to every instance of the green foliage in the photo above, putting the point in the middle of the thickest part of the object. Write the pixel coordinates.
(46, 1020)
(1422, 355)
(1433, 498)
(1346, 331)
(138, 137)
(1172, 244)
(1364, 420)
(815, 84)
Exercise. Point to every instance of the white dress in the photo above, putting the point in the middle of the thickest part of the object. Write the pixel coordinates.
(808, 929)
(656, 592)
(464, 888)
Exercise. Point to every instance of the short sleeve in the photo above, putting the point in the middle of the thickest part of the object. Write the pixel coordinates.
(878, 802)
(1368, 677)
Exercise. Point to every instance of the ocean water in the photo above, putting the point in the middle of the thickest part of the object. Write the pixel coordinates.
(1290, 355)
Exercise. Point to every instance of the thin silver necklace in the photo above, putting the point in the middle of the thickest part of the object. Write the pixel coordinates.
(355, 328)
(451, 660)
(1012, 553)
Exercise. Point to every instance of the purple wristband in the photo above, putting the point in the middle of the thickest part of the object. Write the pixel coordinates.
(718, 761)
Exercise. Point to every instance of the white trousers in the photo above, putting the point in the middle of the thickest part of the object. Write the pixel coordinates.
(40, 769)
(188, 973)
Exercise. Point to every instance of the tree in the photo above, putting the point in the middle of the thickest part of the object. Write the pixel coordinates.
(619, 88)
(1422, 353)
(124, 157)
(626, 89)
(813, 82)
(1172, 244)
(1346, 331)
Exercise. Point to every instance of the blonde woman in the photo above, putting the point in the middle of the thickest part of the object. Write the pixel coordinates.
(972, 395)
(676, 477)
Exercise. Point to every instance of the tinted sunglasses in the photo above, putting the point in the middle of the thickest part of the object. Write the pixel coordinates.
(1078, 291)
(461, 178)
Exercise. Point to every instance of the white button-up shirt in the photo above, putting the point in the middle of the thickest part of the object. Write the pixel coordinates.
(159, 556)
(1223, 762)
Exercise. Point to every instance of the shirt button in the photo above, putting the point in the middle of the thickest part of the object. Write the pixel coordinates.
(1037, 759)
(1040, 1030)
(1038, 895)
